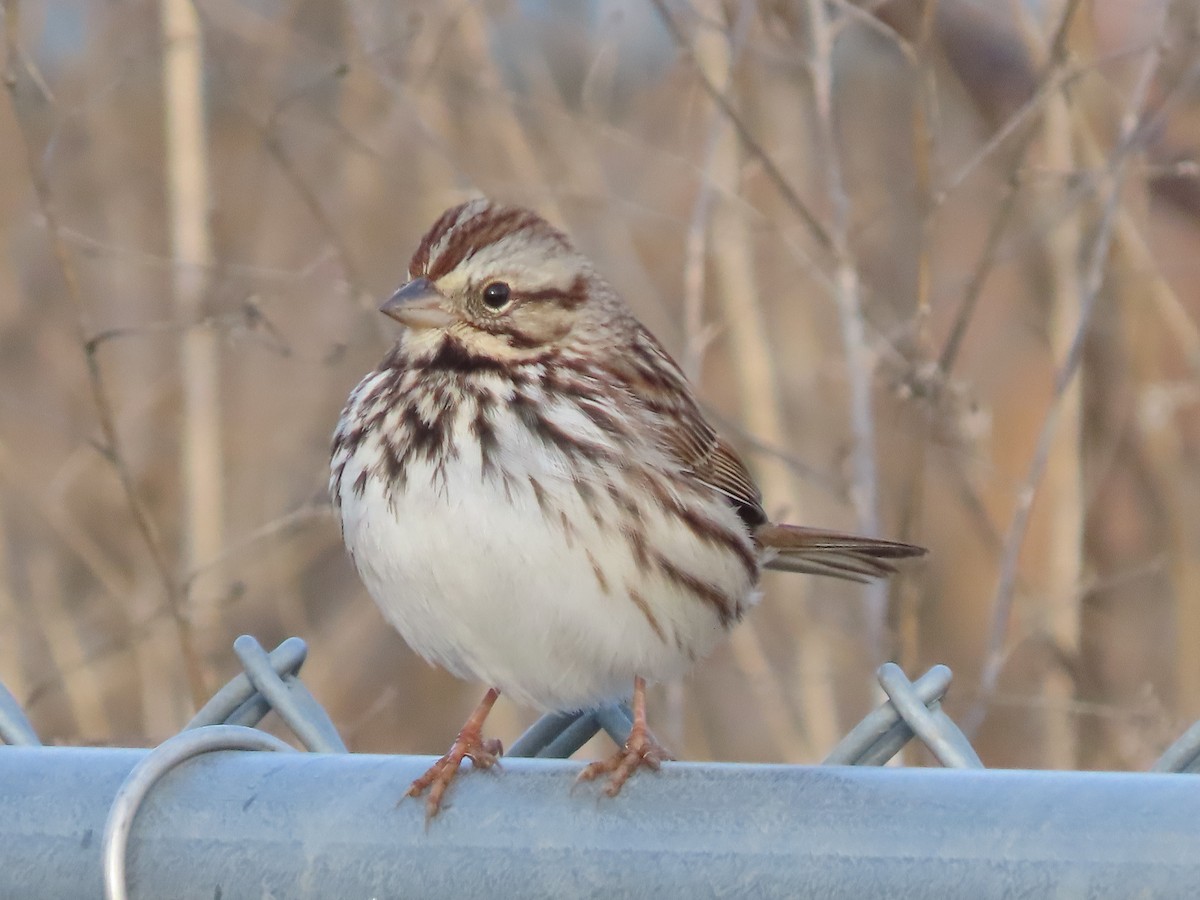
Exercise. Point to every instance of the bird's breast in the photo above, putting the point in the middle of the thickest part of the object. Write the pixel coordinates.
(517, 542)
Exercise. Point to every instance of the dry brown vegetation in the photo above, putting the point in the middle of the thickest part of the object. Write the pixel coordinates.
(932, 264)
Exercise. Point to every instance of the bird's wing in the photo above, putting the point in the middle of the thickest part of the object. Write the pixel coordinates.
(660, 385)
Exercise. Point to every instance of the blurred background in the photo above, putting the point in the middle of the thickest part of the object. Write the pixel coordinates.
(933, 266)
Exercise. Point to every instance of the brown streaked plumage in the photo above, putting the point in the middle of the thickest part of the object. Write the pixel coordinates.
(532, 495)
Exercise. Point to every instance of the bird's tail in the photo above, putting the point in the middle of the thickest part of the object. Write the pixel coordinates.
(815, 551)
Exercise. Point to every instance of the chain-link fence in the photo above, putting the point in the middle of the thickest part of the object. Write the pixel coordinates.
(326, 824)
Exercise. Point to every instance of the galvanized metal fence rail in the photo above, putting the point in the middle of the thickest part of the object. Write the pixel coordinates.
(183, 820)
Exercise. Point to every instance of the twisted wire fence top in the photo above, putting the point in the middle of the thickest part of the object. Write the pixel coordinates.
(270, 682)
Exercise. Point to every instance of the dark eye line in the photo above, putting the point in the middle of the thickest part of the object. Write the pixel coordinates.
(545, 294)
(497, 295)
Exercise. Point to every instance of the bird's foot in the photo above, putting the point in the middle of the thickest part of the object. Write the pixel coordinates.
(641, 749)
(484, 754)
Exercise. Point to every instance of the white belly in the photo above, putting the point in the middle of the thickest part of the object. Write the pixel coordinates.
(480, 578)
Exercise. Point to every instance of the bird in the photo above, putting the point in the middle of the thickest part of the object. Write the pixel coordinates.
(531, 494)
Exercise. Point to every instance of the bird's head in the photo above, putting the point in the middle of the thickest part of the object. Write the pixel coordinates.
(501, 282)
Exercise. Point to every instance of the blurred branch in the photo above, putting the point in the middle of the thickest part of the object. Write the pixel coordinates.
(248, 317)
(859, 363)
(753, 147)
(736, 286)
(186, 150)
(269, 134)
(1059, 616)
(696, 335)
(96, 381)
(282, 525)
(274, 146)
(92, 246)
(966, 310)
(1055, 79)
(827, 482)
(1128, 142)
(98, 651)
(864, 15)
(902, 619)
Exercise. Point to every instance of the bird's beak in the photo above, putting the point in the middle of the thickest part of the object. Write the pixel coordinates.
(418, 305)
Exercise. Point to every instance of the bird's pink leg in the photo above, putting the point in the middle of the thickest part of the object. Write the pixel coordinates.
(641, 749)
(468, 745)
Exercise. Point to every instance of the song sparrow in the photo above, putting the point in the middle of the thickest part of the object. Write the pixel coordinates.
(531, 494)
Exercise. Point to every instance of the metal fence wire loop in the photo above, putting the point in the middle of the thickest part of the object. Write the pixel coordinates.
(883, 732)
(271, 682)
(1183, 755)
(935, 729)
(238, 702)
(558, 735)
(147, 773)
(15, 727)
(289, 698)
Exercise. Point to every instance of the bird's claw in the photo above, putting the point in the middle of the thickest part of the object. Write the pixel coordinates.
(484, 754)
(641, 749)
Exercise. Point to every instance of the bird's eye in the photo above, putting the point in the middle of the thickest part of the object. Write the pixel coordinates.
(496, 295)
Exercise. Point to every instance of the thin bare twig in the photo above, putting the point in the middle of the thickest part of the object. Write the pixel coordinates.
(202, 463)
(970, 300)
(696, 334)
(1129, 141)
(1059, 616)
(867, 19)
(902, 621)
(860, 367)
(753, 147)
(98, 388)
(736, 287)
(302, 515)
(269, 134)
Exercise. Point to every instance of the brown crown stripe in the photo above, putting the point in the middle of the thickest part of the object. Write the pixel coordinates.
(490, 225)
(463, 239)
(420, 258)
